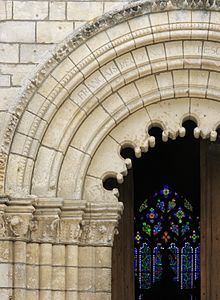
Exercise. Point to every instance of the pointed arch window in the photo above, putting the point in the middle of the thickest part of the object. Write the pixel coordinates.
(166, 226)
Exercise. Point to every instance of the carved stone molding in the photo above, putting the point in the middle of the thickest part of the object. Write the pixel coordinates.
(58, 221)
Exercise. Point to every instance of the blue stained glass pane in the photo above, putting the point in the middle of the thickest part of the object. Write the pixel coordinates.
(187, 267)
(145, 267)
(197, 262)
(135, 261)
(157, 264)
(174, 260)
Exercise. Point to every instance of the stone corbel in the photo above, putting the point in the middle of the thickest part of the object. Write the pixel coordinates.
(100, 223)
(71, 221)
(46, 222)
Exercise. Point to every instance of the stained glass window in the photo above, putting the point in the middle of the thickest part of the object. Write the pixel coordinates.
(166, 237)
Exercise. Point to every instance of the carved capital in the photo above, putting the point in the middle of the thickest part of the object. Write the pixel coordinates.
(100, 223)
(71, 221)
(46, 222)
(17, 218)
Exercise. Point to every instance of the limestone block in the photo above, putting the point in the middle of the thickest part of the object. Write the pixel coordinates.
(103, 279)
(101, 39)
(49, 85)
(5, 80)
(138, 23)
(86, 279)
(210, 54)
(53, 31)
(81, 95)
(58, 253)
(32, 294)
(94, 191)
(6, 270)
(192, 50)
(19, 275)
(95, 296)
(180, 16)
(169, 115)
(71, 255)
(165, 85)
(31, 10)
(19, 72)
(103, 257)
(19, 143)
(132, 131)
(5, 10)
(32, 277)
(110, 71)
(174, 53)
(100, 121)
(33, 53)
(198, 81)
(71, 278)
(57, 10)
(112, 5)
(140, 56)
(45, 266)
(9, 53)
(15, 180)
(63, 69)
(215, 17)
(181, 83)
(81, 11)
(206, 113)
(80, 53)
(40, 106)
(8, 97)
(44, 181)
(72, 295)
(87, 256)
(159, 19)
(60, 124)
(58, 295)
(107, 160)
(6, 294)
(95, 82)
(125, 62)
(69, 176)
(115, 107)
(118, 31)
(213, 86)
(130, 97)
(148, 89)
(31, 125)
(58, 278)
(198, 15)
(157, 57)
(12, 31)
(33, 253)
(6, 253)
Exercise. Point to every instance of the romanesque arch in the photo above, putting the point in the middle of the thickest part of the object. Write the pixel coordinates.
(150, 63)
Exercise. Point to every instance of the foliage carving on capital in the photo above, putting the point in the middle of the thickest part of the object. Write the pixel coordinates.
(99, 233)
(100, 223)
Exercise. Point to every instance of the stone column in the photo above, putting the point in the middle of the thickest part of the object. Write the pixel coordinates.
(56, 249)
(95, 253)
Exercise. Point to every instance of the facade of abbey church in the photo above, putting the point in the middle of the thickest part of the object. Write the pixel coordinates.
(79, 82)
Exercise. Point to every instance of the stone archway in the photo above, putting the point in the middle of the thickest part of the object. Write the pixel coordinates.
(147, 64)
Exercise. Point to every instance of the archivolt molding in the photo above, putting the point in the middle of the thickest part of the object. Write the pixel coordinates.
(83, 87)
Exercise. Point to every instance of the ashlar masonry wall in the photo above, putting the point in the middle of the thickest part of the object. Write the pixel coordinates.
(29, 29)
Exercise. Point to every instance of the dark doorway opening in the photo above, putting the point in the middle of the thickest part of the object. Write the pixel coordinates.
(177, 165)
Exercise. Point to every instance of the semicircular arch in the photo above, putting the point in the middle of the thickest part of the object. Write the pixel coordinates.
(97, 80)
